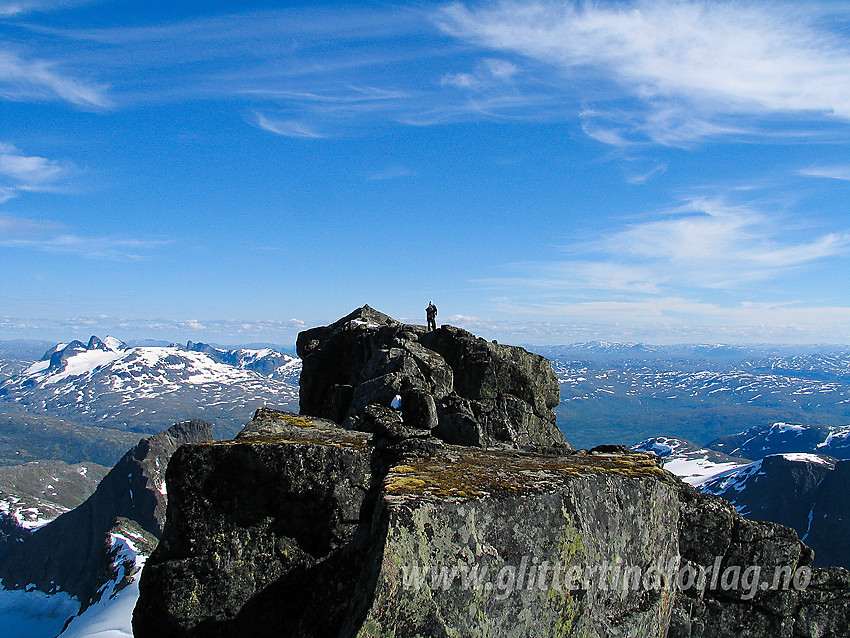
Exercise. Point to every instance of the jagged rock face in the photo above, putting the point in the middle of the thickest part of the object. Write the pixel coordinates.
(301, 528)
(829, 529)
(466, 390)
(710, 529)
(69, 553)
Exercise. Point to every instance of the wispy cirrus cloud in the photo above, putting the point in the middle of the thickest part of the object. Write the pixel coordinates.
(16, 8)
(688, 66)
(331, 71)
(841, 173)
(661, 71)
(286, 128)
(391, 172)
(643, 178)
(29, 169)
(701, 248)
(50, 236)
(20, 172)
(38, 79)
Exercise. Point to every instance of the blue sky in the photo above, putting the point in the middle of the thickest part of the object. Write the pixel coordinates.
(547, 172)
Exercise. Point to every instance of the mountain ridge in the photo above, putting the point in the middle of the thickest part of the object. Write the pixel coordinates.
(107, 383)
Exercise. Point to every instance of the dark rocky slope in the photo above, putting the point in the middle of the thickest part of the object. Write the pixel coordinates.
(807, 492)
(72, 553)
(299, 527)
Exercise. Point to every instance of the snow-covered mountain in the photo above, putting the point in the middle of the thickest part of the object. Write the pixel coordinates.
(33, 494)
(267, 361)
(808, 492)
(690, 462)
(791, 481)
(109, 384)
(778, 438)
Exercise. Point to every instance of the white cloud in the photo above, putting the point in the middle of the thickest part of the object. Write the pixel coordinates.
(460, 80)
(489, 73)
(643, 178)
(21, 228)
(7, 193)
(689, 64)
(28, 172)
(23, 7)
(29, 169)
(830, 172)
(709, 243)
(502, 69)
(704, 248)
(38, 79)
(286, 128)
(49, 236)
(92, 247)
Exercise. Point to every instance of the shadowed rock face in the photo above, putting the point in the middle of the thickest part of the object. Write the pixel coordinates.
(72, 552)
(468, 391)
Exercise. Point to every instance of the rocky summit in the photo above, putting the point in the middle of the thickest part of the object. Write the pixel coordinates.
(463, 389)
(478, 525)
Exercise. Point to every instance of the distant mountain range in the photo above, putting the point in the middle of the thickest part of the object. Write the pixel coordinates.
(615, 393)
(107, 384)
(761, 440)
(797, 475)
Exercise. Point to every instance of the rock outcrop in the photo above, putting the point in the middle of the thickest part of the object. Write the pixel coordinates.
(72, 553)
(300, 527)
(466, 390)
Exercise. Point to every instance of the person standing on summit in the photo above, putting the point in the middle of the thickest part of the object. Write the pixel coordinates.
(431, 314)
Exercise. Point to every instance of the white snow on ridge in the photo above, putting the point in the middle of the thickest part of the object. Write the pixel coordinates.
(805, 458)
(734, 479)
(660, 448)
(112, 616)
(114, 344)
(36, 368)
(79, 364)
(29, 518)
(693, 465)
(782, 428)
(697, 471)
(838, 437)
(249, 356)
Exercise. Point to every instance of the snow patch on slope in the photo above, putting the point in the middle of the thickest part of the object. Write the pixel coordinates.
(691, 463)
(112, 616)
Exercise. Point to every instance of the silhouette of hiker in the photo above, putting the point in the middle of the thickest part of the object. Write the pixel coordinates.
(431, 314)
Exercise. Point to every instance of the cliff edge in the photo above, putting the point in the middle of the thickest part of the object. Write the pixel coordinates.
(389, 527)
